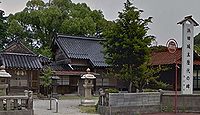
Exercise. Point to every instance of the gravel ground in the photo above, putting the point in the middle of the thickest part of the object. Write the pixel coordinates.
(70, 107)
(66, 107)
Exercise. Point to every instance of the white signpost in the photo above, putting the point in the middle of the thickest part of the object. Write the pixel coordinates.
(187, 54)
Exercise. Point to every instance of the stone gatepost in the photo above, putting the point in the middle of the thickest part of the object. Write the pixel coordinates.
(88, 85)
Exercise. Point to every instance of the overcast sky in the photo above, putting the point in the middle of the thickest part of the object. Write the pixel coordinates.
(165, 13)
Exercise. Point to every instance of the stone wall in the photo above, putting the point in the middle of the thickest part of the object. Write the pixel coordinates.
(17, 105)
(185, 103)
(131, 103)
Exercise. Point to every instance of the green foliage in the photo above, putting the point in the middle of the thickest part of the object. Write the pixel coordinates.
(46, 77)
(197, 39)
(197, 48)
(88, 109)
(40, 22)
(197, 43)
(111, 90)
(46, 51)
(126, 47)
(162, 85)
(168, 107)
(3, 30)
(149, 90)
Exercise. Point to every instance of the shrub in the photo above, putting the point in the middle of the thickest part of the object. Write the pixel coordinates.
(111, 90)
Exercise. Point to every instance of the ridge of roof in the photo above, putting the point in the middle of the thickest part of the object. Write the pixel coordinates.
(81, 37)
(9, 53)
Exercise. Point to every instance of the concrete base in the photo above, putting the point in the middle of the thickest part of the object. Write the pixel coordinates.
(88, 102)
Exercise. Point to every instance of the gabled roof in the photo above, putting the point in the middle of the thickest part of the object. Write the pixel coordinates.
(190, 19)
(17, 47)
(20, 61)
(166, 58)
(16, 55)
(82, 48)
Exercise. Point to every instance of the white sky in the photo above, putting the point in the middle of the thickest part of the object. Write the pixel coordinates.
(165, 13)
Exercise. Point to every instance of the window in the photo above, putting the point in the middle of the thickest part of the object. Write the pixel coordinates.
(64, 80)
(196, 79)
(98, 82)
(105, 82)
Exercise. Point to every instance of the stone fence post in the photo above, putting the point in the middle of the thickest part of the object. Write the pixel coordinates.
(30, 100)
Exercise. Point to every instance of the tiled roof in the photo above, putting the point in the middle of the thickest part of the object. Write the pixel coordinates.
(69, 73)
(166, 58)
(82, 48)
(73, 73)
(17, 47)
(44, 59)
(20, 61)
(59, 67)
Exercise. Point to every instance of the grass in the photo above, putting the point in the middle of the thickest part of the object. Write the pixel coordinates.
(65, 97)
(88, 109)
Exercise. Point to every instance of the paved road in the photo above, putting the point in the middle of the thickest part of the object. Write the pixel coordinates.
(172, 114)
(66, 107)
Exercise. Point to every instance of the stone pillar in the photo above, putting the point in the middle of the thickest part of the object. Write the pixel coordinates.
(8, 104)
(26, 92)
(15, 104)
(88, 91)
(3, 88)
(1, 104)
(30, 100)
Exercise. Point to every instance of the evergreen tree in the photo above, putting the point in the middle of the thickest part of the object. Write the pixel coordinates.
(197, 43)
(46, 79)
(126, 47)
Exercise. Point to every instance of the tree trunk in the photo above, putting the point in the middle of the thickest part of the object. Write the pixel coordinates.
(130, 87)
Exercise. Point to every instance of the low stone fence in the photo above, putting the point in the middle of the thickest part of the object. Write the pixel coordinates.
(134, 103)
(17, 105)
(129, 103)
(185, 103)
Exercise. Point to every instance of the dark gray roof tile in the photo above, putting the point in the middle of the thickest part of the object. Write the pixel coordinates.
(59, 67)
(22, 61)
(82, 48)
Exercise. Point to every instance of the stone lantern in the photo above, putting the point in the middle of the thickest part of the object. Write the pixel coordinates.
(54, 86)
(88, 85)
(4, 80)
